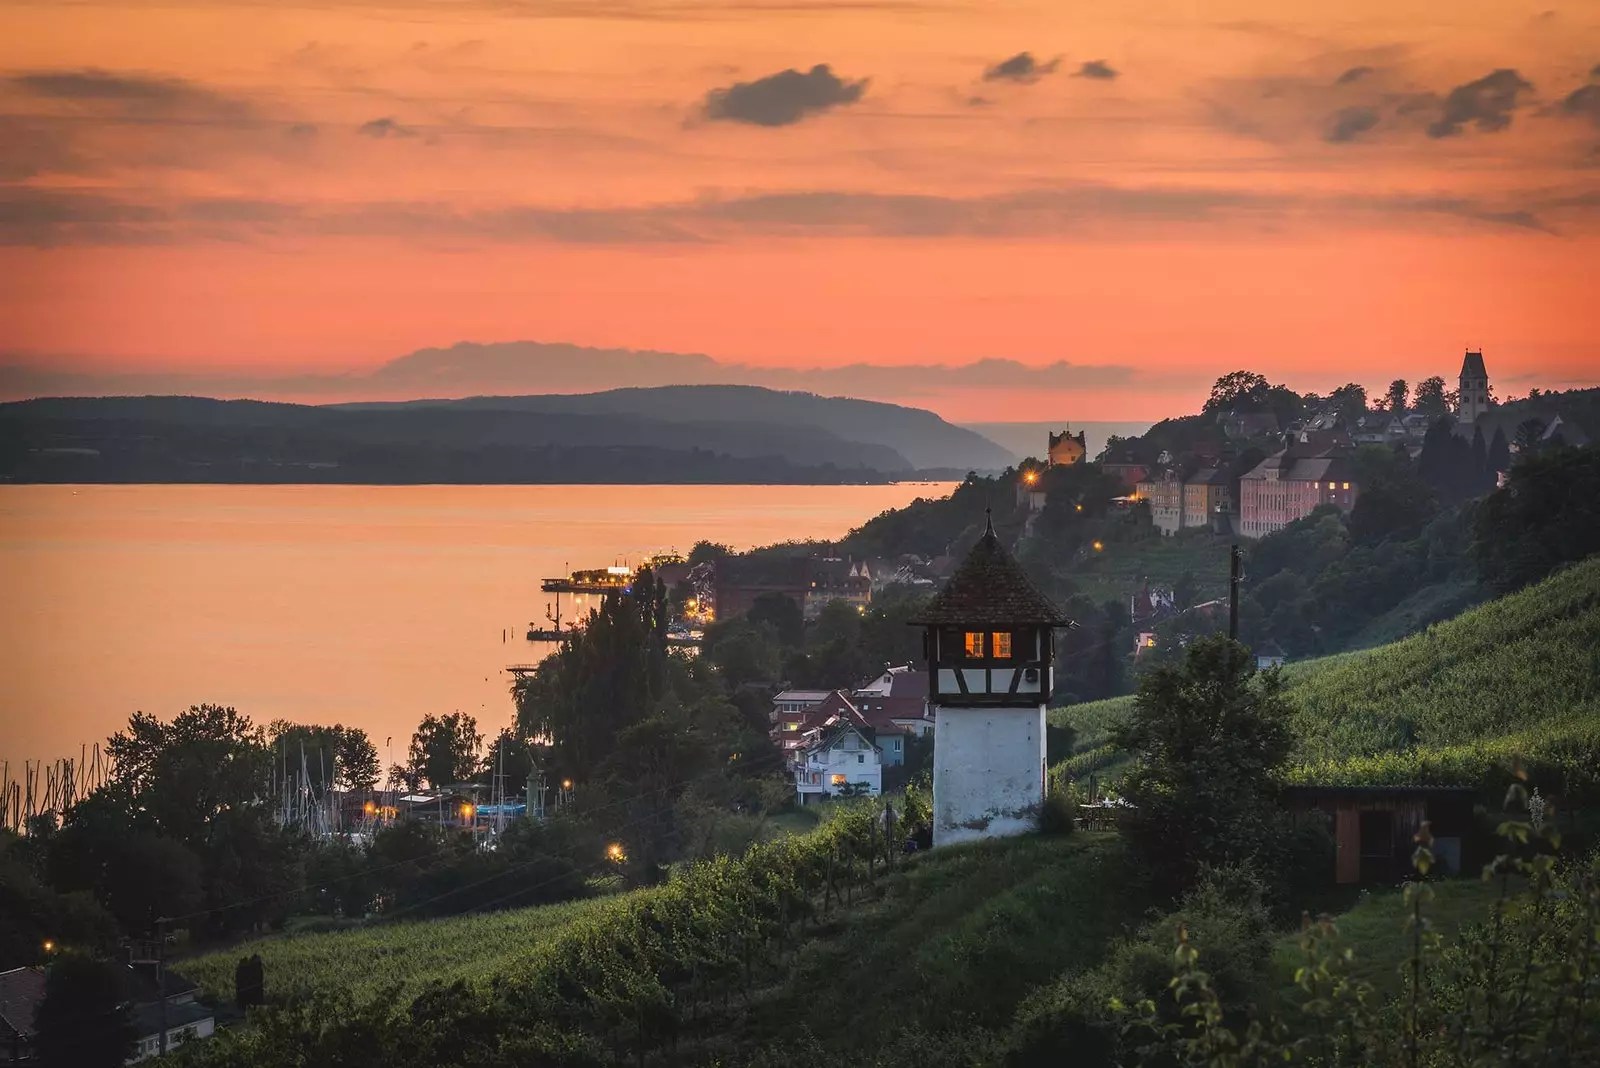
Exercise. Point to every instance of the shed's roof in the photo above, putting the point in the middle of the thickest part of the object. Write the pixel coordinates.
(990, 587)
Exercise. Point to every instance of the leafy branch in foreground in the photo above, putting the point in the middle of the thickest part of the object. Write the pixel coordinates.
(1522, 988)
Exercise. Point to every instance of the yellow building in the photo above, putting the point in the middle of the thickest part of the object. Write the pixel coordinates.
(1165, 494)
(1067, 447)
(1205, 496)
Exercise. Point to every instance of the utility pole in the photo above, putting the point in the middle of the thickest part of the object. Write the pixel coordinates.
(161, 977)
(1235, 557)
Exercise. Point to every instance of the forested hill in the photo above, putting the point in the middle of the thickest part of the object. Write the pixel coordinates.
(920, 437)
(194, 439)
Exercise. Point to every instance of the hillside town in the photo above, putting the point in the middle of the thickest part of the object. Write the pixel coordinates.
(1115, 663)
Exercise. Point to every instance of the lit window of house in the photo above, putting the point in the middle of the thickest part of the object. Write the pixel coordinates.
(837, 780)
(974, 644)
(1000, 642)
(1347, 485)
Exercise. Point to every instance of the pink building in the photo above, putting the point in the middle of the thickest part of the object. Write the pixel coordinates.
(1290, 484)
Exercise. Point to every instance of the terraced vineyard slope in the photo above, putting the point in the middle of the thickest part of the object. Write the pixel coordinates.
(363, 960)
(1514, 679)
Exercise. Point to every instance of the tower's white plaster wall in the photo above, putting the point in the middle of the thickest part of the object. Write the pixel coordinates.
(988, 772)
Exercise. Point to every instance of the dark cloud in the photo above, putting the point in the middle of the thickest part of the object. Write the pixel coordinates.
(783, 98)
(1487, 103)
(1354, 74)
(1347, 124)
(130, 94)
(1021, 67)
(1583, 103)
(1098, 69)
(303, 130)
(385, 127)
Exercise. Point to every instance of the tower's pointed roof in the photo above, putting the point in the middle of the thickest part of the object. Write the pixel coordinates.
(1472, 365)
(990, 588)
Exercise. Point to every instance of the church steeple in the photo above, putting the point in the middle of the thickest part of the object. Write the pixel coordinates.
(1473, 396)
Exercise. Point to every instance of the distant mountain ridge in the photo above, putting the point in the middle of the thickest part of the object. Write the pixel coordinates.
(676, 434)
(921, 438)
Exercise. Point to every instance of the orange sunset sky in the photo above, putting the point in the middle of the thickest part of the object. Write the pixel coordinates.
(217, 191)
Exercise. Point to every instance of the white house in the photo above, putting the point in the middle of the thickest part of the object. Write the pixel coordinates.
(991, 674)
(841, 754)
(183, 1018)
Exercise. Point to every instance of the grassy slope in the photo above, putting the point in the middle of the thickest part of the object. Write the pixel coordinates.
(363, 960)
(955, 941)
(1521, 673)
(1374, 930)
(952, 941)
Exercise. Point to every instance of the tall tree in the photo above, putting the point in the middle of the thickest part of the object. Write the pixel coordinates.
(1396, 397)
(336, 757)
(604, 677)
(509, 759)
(1529, 432)
(1351, 401)
(1238, 391)
(1499, 452)
(444, 750)
(1430, 398)
(782, 613)
(83, 1021)
(1483, 470)
(209, 758)
(1546, 515)
(1394, 498)
(1209, 736)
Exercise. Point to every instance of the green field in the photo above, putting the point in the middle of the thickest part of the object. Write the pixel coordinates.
(1514, 679)
(952, 943)
(364, 960)
(1374, 931)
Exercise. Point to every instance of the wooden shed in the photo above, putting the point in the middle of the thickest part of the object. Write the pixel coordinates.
(1375, 826)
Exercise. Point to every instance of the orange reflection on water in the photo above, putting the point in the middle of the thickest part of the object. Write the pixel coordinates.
(366, 605)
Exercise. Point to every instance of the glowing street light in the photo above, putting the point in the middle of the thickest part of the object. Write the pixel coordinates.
(1031, 477)
(49, 946)
(615, 854)
(566, 784)
(1098, 546)
(466, 812)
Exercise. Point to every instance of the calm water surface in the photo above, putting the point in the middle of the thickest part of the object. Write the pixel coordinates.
(366, 605)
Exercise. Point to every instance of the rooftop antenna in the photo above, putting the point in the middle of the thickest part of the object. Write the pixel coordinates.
(988, 520)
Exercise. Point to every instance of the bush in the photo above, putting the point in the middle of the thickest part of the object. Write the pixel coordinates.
(1522, 987)
(1073, 1022)
(1059, 813)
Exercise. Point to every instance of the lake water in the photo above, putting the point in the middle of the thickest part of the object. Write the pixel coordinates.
(366, 605)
